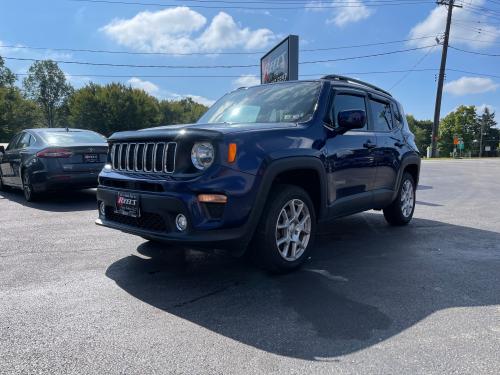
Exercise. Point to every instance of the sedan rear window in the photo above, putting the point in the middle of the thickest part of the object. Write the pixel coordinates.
(72, 138)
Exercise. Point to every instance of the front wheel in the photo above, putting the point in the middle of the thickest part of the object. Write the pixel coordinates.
(400, 212)
(285, 234)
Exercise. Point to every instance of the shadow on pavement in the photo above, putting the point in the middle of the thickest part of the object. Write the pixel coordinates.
(63, 201)
(365, 283)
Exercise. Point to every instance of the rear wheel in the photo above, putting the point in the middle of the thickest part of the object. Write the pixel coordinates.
(400, 212)
(29, 193)
(285, 234)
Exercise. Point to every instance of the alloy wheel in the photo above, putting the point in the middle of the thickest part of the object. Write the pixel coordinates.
(27, 187)
(407, 198)
(293, 230)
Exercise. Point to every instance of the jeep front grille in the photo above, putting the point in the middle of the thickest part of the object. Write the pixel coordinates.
(144, 157)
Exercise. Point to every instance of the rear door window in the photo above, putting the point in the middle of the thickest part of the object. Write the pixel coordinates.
(24, 141)
(13, 142)
(381, 115)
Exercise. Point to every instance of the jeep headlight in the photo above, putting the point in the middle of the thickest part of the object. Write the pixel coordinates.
(202, 155)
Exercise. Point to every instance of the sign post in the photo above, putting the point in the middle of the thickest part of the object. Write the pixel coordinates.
(282, 62)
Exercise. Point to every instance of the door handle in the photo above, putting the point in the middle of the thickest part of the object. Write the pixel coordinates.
(369, 145)
(398, 144)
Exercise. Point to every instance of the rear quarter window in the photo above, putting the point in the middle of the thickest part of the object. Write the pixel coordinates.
(381, 115)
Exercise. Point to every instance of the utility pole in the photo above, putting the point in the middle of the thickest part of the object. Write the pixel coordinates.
(442, 71)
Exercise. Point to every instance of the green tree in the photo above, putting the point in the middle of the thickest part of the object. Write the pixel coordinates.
(46, 84)
(183, 111)
(462, 122)
(113, 107)
(422, 129)
(7, 78)
(17, 113)
(491, 135)
(116, 107)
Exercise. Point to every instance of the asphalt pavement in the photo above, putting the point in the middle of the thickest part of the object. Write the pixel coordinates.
(76, 298)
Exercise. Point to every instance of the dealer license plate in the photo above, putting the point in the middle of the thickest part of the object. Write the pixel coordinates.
(91, 158)
(128, 204)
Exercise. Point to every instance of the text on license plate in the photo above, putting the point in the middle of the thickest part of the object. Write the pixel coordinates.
(90, 158)
(128, 204)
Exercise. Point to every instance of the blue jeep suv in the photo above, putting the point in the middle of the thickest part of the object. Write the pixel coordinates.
(262, 168)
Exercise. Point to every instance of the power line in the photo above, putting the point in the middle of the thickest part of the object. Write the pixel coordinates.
(74, 62)
(473, 73)
(290, 2)
(475, 40)
(230, 76)
(396, 71)
(478, 30)
(413, 68)
(475, 52)
(353, 5)
(58, 49)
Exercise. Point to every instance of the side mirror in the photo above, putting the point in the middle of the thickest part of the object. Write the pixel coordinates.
(351, 119)
(2, 150)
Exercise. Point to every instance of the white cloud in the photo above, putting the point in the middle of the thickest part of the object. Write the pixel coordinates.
(342, 13)
(153, 89)
(470, 85)
(482, 107)
(246, 80)
(467, 29)
(147, 86)
(77, 81)
(196, 98)
(180, 30)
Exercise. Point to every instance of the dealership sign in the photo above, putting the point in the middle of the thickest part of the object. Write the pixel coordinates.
(282, 62)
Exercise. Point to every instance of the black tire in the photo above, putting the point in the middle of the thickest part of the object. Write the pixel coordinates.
(2, 186)
(400, 212)
(265, 250)
(29, 193)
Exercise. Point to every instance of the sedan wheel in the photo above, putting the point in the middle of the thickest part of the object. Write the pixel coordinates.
(29, 194)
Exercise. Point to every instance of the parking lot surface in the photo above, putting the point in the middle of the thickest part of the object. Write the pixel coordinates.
(373, 299)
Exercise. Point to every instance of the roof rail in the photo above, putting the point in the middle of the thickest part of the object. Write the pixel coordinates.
(336, 77)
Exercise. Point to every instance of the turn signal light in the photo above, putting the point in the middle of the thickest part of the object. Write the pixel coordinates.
(54, 153)
(212, 198)
(231, 153)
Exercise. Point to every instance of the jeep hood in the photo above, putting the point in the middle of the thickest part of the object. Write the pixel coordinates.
(209, 131)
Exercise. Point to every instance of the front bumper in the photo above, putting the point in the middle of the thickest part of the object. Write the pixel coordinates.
(225, 227)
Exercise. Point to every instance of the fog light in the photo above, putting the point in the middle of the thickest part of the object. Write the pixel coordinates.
(181, 222)
(102, 209)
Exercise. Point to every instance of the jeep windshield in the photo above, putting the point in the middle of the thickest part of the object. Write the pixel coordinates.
(283, 102)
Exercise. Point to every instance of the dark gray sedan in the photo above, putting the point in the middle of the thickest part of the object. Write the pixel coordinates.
(40, 160)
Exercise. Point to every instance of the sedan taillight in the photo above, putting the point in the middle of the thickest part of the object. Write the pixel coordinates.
(54, 153)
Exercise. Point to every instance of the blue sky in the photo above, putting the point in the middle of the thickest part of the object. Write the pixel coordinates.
(185, 28)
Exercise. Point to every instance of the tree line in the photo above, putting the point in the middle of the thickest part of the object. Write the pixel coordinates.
(465, 123)
(46, 99)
